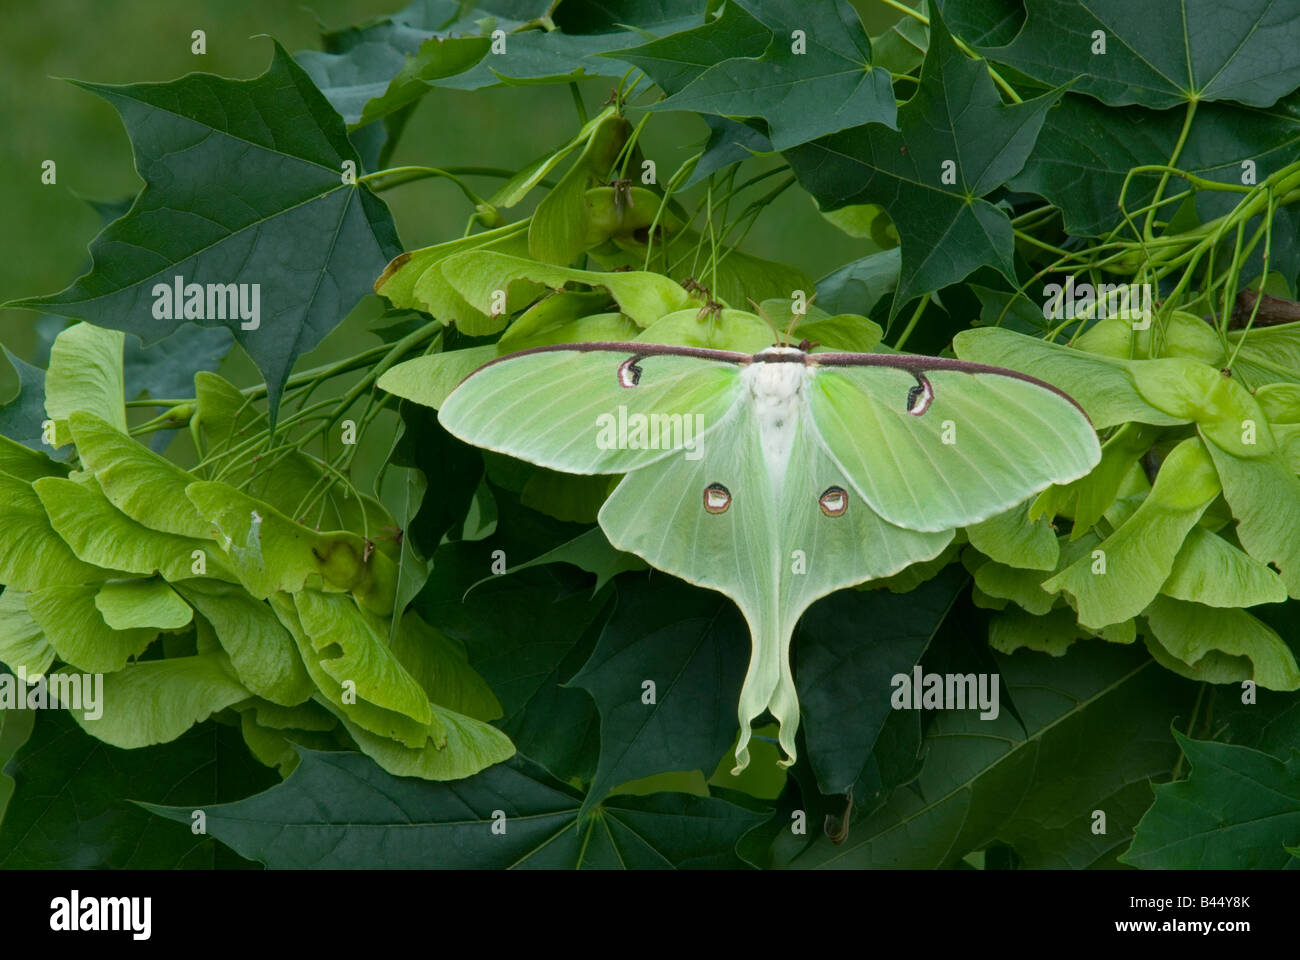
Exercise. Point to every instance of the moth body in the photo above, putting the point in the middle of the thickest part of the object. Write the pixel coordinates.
(776, 391)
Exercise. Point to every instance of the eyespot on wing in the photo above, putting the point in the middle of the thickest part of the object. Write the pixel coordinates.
(717, 498)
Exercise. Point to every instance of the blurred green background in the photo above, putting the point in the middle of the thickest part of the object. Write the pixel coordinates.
(48, 227)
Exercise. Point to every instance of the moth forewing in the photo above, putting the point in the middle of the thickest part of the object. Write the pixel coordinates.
(935, 449)
(595, 408)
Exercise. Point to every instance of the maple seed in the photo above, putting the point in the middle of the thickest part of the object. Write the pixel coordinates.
(691, 285)
(711, 308)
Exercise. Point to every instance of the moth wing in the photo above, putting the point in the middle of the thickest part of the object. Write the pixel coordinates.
(668, 514)
(556, 407)
(948, 446)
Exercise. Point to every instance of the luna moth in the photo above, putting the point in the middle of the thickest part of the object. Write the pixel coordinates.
(778, 477)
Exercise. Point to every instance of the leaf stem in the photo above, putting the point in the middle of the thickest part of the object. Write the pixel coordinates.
(911, 324)
(1254, 311)
(327, 411)
(1188, 117)
(1191, 725)
(629, 146)
(1031, 217)
(323, 372)
(961, 45)
(682, 172)
(414, 173)
(1041, 244)
(578, 104)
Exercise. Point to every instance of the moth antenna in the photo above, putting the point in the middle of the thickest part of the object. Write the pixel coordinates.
(766, 319)
(789, 331)
(794, 318)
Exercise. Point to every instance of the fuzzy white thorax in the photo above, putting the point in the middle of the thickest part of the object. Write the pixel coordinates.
(776, 391)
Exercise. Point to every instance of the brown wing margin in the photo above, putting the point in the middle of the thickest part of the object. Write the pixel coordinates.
(628, 348)
(916, 363)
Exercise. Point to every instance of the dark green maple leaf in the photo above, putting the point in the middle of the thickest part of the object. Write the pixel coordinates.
(163, 369)
(524, 657)
(376, 78)
(1238, 809)
(691, 644)
(1094, 729)
(15, 730)
(984, 21)
(451, 469)
(607, 16)
(729, 142)
(1160, 54)
(901, 48)
(372, 70)
(801, 93)
(22, 414)
(438, 475)
(360, 62)
(550, 56)
(71, 806)
(166, 368)
(956, 142)
(860, 284)
(340, 810)
(244, 185)
(1086, 150)
(674, 61)
(848, 647)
